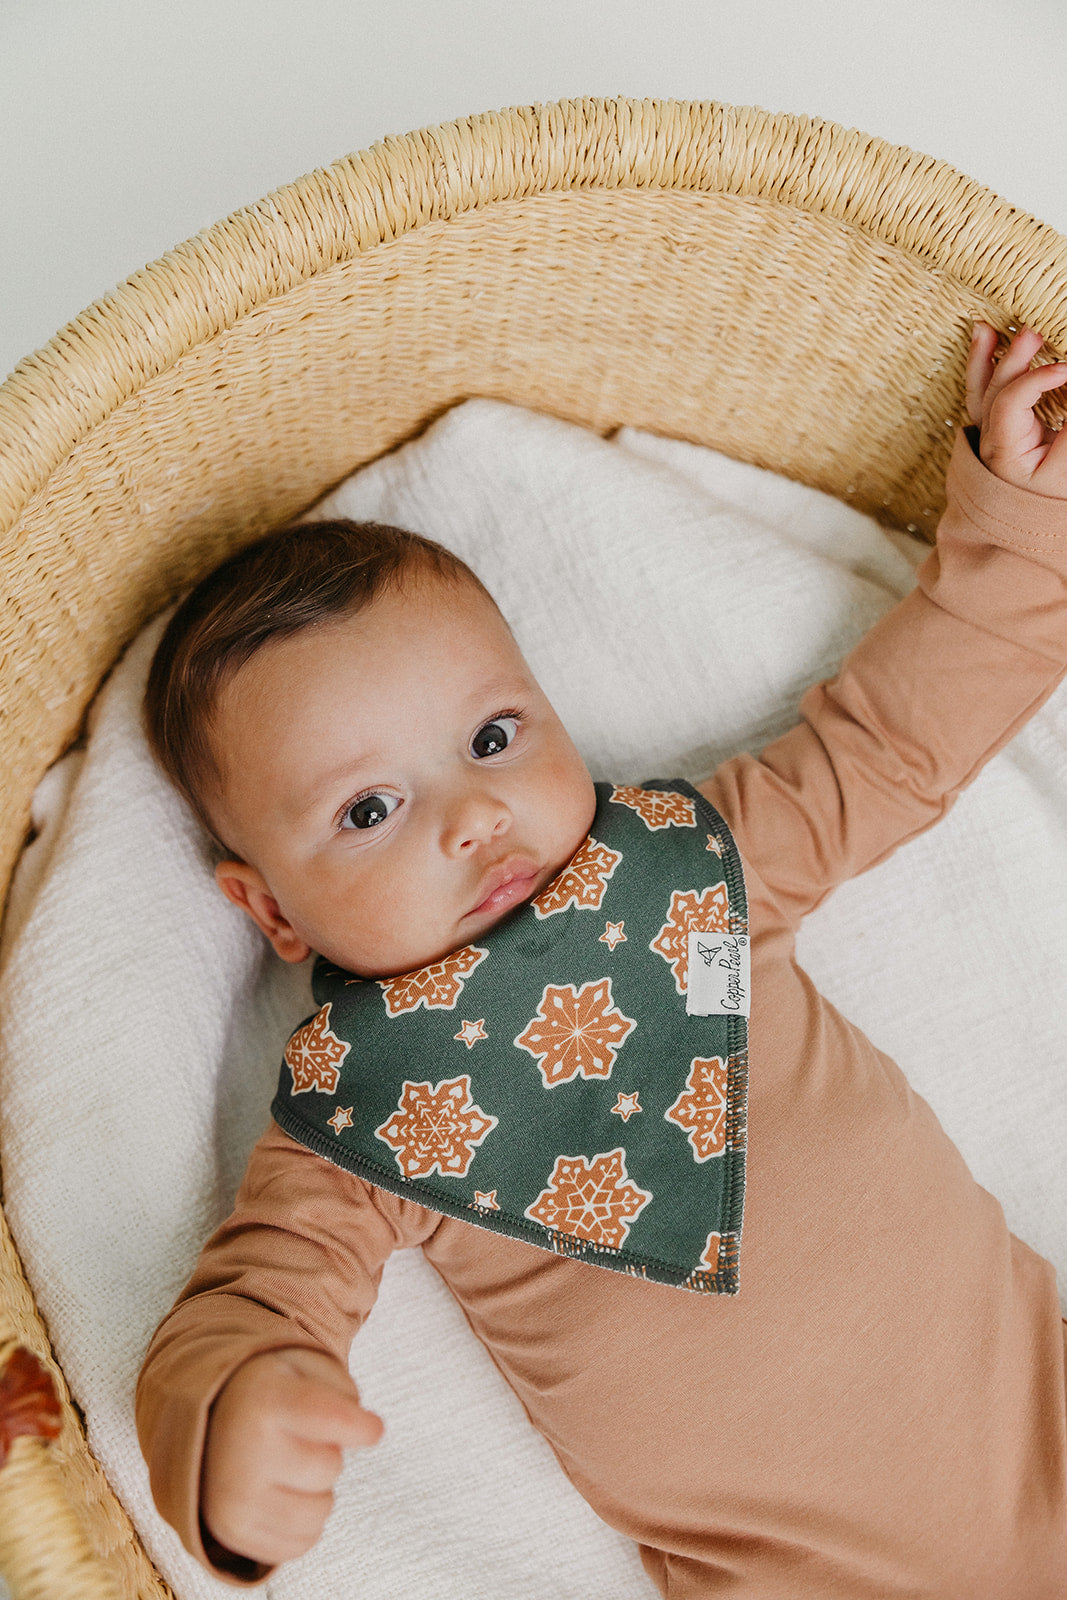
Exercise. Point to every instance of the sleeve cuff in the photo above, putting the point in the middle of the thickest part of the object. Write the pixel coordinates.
(1019, 519)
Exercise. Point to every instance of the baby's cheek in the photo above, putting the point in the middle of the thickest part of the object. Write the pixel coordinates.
(571, 796)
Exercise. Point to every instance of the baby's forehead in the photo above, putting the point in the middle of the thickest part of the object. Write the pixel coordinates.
(438, 638)
(354, 696)
(399, 621)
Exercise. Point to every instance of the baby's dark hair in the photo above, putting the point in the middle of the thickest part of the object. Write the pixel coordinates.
(279, 585)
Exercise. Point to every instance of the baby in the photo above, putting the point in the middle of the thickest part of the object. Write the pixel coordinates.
(876, 1406)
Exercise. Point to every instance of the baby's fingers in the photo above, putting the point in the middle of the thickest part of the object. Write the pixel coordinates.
(278, 1526)
(980, 368)
(1014, 442)
(988, 377)
(307, 1467)
(322, 1415)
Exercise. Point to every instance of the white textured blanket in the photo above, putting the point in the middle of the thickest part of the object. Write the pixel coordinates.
(674, 605)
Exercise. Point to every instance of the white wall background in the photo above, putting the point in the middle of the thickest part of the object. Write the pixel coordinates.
(127, 125)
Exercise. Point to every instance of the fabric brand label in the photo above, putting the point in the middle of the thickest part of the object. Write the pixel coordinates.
(719, 975)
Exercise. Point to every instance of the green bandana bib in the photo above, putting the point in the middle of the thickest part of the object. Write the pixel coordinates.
(577, 1078)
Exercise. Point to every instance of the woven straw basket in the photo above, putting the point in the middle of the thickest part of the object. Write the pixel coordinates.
(795, 294)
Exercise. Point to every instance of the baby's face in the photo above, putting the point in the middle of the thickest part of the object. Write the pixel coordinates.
(395, 782)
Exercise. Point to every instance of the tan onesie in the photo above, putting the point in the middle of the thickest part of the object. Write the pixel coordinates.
(880, 1411)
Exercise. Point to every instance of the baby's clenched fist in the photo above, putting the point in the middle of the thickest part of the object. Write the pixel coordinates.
(274, 1450)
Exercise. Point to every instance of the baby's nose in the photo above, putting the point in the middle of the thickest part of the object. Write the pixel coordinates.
(473, 820)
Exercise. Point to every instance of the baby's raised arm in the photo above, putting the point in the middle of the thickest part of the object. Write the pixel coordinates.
(274, 1451)
(942, 682)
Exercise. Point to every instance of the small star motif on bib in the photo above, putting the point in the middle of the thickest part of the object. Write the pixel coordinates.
(626, 1106)
(575, 1031)
(485, 1201)
(314, 1055)
(583, 881)
(342, 1118)
(438, 986)
(436, 1126)
(657, 808)
(690, 913)
(701, 1109)
(714, 845)
(471, 1032)
(594, 1199)
(613, 934)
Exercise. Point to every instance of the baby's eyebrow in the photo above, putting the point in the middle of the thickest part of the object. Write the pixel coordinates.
(505, 690)
(321, 790)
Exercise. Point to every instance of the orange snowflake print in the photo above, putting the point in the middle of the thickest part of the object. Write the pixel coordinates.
(314, 1054)
(690, 913)
(657, 808)
(700, 1111)
(436, 987)
(583, 881)
(593, 1199)
(436, 1126)
(575, 1031)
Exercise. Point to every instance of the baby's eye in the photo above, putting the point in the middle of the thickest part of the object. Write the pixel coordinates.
(369, 810)
(494, 737)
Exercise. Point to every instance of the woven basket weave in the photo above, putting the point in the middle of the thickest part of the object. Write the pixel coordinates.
(793, 293)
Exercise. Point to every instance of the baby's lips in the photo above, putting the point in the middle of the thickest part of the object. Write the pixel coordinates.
(505, 884)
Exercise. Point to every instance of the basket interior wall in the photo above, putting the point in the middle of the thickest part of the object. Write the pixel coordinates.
(792, 340)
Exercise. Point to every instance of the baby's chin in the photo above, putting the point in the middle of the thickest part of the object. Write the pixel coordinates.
(418, 958)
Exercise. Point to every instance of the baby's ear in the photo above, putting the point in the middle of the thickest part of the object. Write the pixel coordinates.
(246, 888)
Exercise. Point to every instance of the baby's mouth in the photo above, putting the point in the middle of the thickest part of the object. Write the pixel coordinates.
(506, 885)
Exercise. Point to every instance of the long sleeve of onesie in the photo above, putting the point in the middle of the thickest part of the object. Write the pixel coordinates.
(297, 1263)
(880, 1411)
(922, 702)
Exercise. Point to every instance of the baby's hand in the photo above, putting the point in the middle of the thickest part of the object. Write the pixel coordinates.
(1015, 444)
(274, 1451)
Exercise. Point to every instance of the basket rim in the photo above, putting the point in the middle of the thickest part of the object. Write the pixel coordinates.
(907, 200)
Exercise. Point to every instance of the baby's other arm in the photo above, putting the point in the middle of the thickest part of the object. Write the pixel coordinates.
(942, 682)
(290, 1275)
